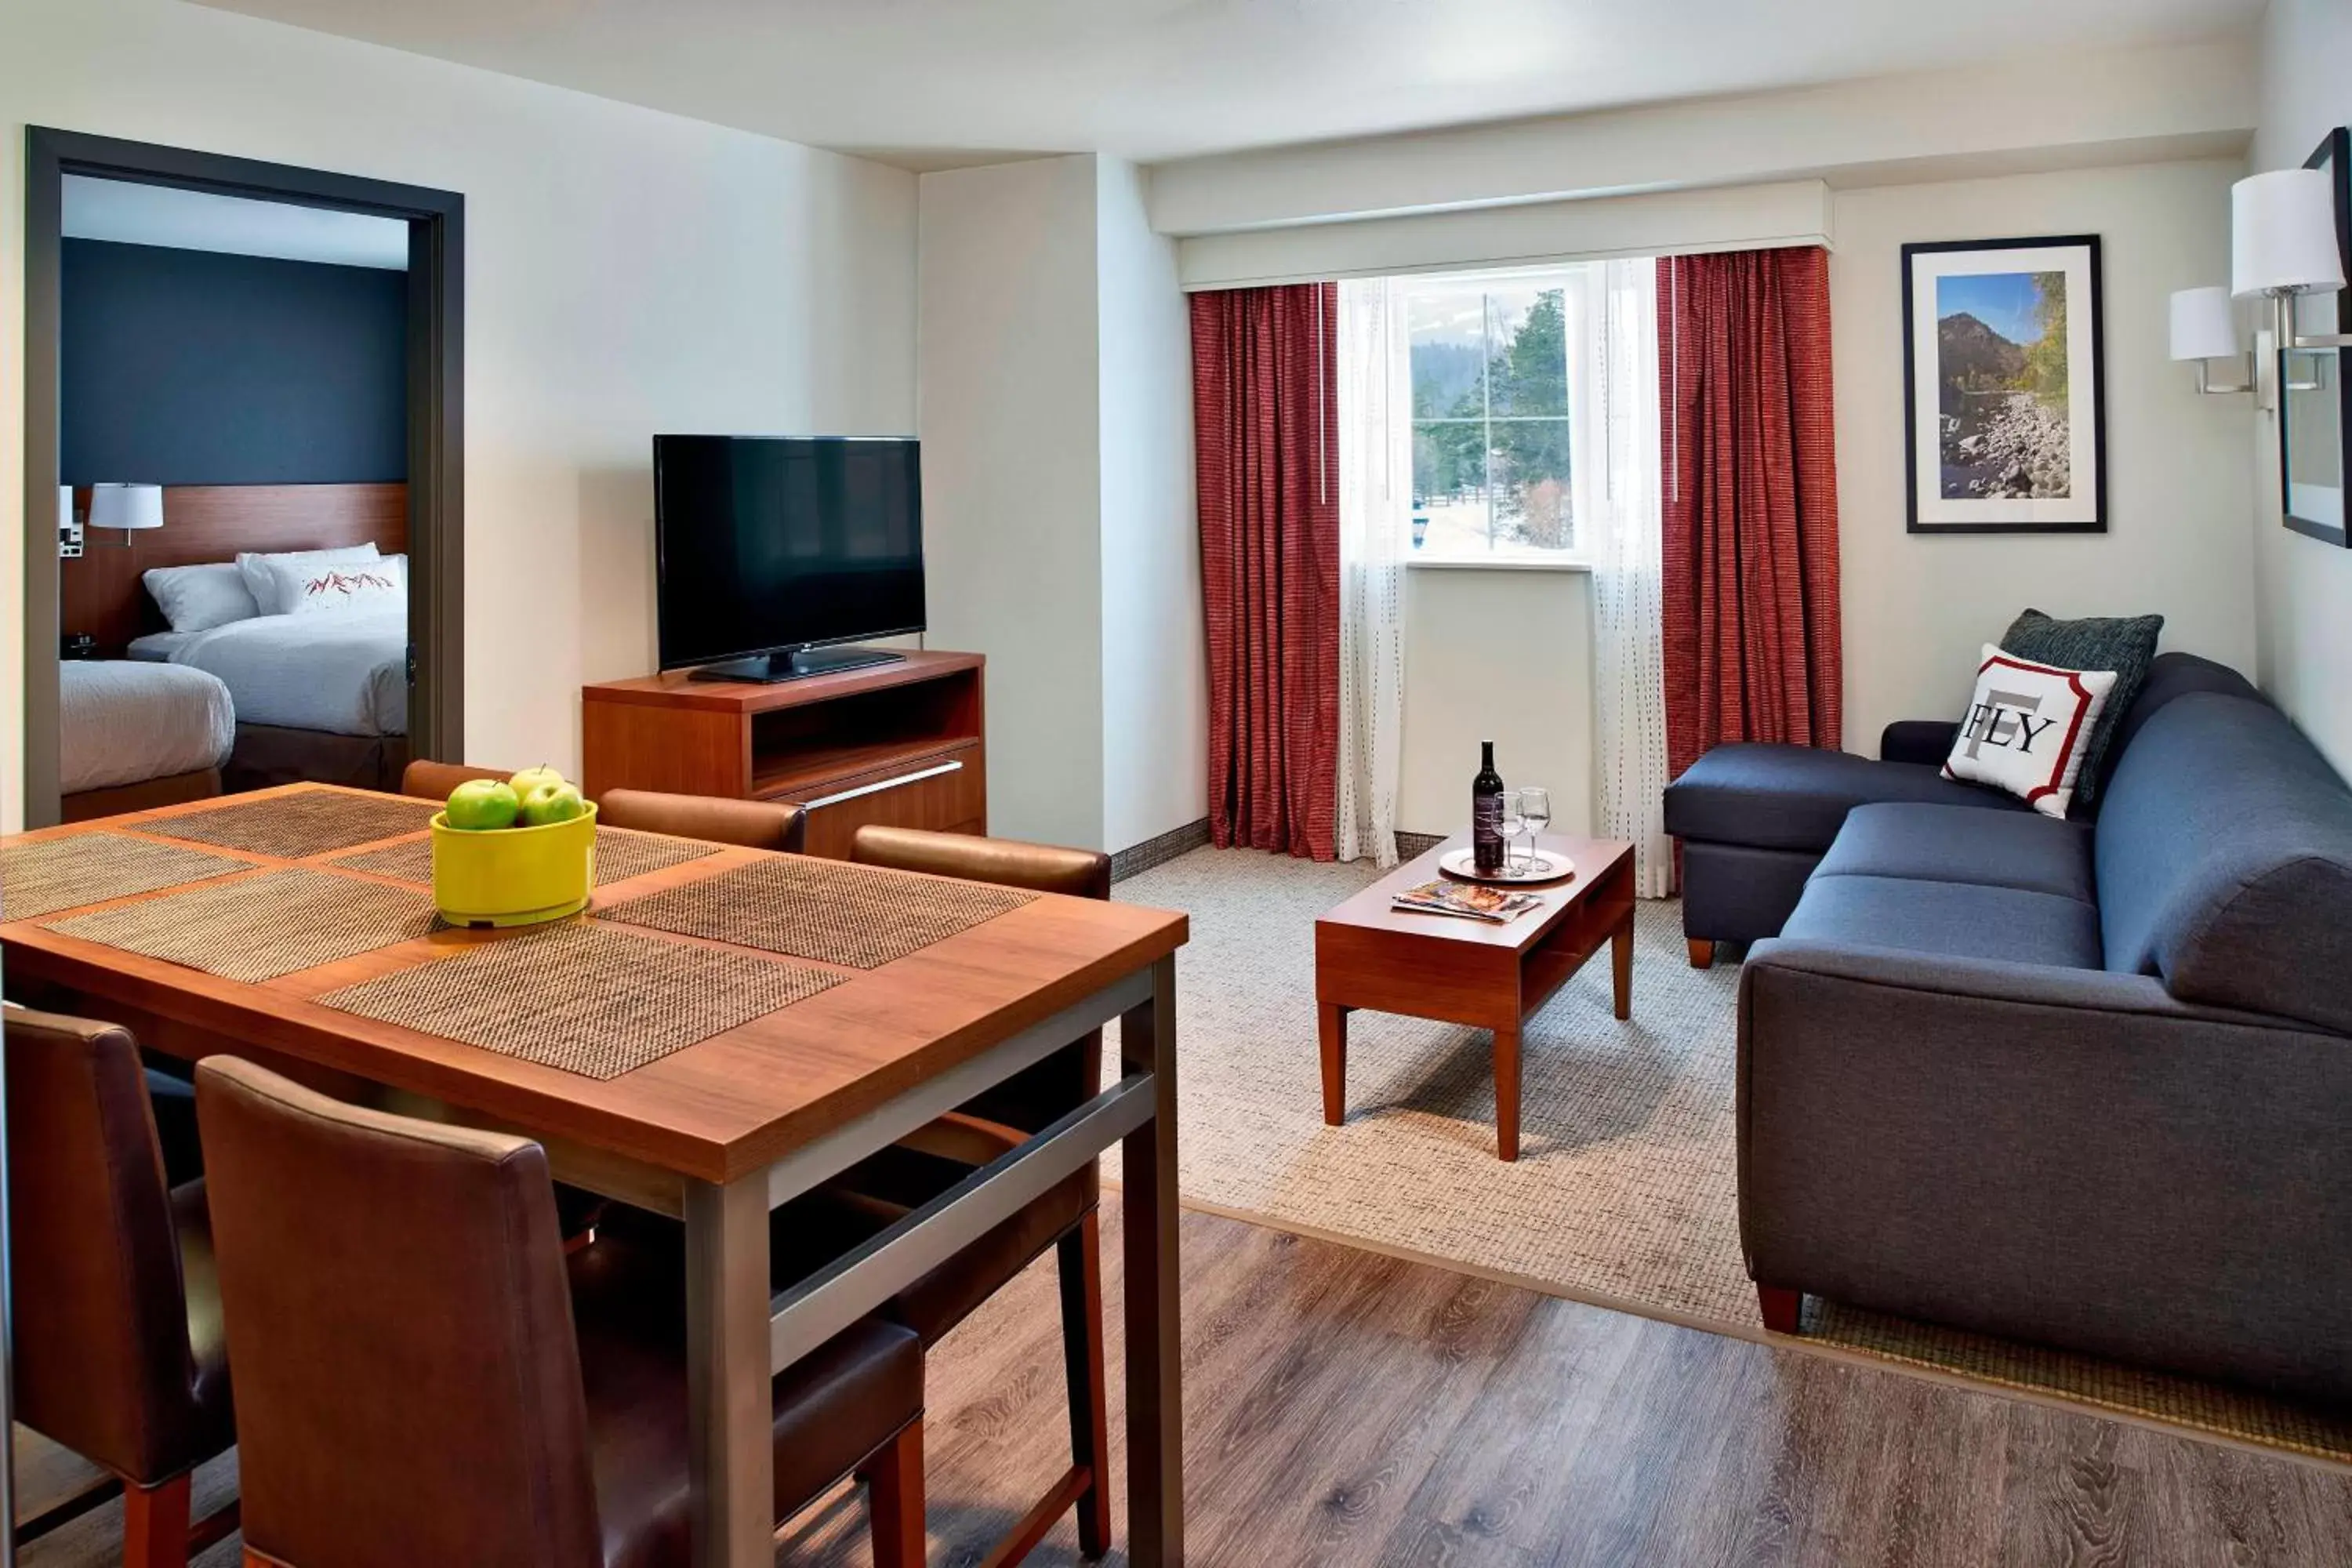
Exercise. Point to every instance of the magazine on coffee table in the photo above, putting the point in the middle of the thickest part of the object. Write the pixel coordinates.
(1467, 900)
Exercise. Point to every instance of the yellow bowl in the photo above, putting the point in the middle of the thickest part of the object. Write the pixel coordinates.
(513, 876)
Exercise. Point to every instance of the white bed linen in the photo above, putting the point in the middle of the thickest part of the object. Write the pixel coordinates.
(346, 672)
(121, 723)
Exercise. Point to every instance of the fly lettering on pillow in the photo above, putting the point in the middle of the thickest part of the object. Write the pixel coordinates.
(2028, 729)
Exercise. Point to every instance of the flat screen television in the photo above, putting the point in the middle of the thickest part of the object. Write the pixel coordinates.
(771, 549)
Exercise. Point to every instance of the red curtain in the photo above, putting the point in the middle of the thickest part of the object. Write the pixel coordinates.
(1265, 385)
(1752, 643)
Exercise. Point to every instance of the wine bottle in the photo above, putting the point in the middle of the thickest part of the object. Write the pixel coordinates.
(1486, 813)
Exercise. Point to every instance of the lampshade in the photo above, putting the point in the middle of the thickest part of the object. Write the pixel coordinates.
(126, 506)
(65, 510)
(2283, 232)
(2204, 325)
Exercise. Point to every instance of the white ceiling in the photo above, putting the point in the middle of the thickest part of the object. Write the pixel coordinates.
(932, 83)
(132, 214)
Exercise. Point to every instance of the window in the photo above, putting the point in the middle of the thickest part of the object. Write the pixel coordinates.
(1490, 417)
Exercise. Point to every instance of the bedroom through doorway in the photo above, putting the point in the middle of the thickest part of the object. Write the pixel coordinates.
(243, 382)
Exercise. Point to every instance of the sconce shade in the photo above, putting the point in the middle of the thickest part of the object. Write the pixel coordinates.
(2283, 232)
(126, 506)
(2204, 326)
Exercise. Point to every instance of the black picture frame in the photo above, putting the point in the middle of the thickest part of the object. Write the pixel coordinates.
(2095, 411)
(2335, 153)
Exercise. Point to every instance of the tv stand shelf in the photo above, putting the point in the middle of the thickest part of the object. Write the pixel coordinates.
(898, 743)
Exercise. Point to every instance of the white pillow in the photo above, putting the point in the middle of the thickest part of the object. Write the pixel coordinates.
(198, 598)
(263, 584)
(2028, 727)
(325, 587)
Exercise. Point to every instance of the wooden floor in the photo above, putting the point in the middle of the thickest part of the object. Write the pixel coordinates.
(1345, 1408)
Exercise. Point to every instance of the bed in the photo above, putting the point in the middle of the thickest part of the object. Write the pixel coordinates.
(321, 697)
(317, 696)
(134, 735)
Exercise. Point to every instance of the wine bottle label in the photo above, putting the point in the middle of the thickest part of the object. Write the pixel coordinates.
(1486, 831)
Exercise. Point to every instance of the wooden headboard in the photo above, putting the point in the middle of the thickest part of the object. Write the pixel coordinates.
(100, 592)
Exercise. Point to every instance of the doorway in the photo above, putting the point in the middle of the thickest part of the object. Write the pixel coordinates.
(432, 337)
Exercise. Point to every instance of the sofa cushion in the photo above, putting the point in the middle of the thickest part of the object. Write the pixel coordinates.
(2025, 850)
(2125, 644)
(2225, 858)
(2172, 676)
(1796, 797)
(1951, 920)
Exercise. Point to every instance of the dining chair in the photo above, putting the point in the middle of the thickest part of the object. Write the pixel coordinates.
(119, 1353)
(442, 1385)
(434, 781)
(756, 824)
(876, 1193)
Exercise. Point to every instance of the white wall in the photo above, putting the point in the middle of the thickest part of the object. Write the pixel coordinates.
(2305, 586)
(1013, 483)
(1155, 697)
(1917, 609)
(626, 272)
(1502, 655)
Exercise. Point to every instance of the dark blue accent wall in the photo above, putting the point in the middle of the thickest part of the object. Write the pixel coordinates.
(189, 367)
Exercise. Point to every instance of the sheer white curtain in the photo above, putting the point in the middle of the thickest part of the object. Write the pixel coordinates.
(1613, 399)
(1375, 510)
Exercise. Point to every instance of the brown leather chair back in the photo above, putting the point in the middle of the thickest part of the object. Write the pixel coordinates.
(101, 1333)
(755, 824)
(409, 1377)
(1041, 868)
(434, 781)
(1039, 1096)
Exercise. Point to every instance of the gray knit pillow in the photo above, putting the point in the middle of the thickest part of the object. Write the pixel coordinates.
(2126, 644)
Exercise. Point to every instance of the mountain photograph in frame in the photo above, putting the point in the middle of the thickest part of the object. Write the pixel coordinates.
(2002, 373)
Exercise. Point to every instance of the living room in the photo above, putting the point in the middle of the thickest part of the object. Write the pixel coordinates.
(1299, 416)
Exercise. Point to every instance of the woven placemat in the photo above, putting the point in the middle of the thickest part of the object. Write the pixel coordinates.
(584, 997)
(297, 826)
(860, 916)
(52, 874)
(620, 855)
(260, 929)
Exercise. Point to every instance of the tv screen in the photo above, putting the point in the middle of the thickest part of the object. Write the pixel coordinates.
(765, 543)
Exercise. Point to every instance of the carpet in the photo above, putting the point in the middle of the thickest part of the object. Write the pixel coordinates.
(1625, 1193)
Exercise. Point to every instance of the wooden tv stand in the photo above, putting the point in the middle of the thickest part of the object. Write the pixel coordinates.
(897, 744)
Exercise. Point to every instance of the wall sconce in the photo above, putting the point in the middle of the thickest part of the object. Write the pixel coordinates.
(2204, 329)
(127, 507)
(2282, 243)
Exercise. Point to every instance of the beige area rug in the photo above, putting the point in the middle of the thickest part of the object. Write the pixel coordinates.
(1626, 1191)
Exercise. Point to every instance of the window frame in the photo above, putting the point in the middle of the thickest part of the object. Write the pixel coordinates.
(1560, 274)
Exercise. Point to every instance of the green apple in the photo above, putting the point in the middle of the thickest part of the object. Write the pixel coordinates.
(557, 802)
(482, 804)
(531, 779)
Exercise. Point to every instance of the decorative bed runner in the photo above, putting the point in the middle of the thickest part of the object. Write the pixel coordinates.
(51, 874)
(264, 927)
(620, 855)
(296, 826)
(584, 997)
(859, 916)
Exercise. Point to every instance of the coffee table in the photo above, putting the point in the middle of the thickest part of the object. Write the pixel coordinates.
(1467, 972)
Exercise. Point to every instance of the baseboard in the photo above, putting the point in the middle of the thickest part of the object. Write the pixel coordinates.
(1158, 851)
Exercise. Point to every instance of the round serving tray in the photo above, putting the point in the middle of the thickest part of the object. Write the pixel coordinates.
(1547, 865)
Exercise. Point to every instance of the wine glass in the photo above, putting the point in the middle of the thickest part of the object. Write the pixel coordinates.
(1535, 811)
(1508, 824)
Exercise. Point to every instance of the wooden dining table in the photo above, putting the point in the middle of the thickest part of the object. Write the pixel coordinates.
(718, 1132)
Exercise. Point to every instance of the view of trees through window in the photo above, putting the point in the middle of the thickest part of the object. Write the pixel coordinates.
(1490, 430)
